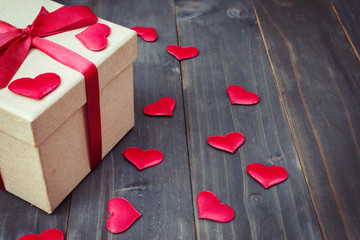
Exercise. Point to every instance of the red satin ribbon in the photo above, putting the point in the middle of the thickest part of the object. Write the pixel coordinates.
(15, 44)
(1, 183)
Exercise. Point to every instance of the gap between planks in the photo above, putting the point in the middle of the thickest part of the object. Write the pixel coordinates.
(343, 28)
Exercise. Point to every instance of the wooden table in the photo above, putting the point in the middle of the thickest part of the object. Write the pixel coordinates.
(300, 56)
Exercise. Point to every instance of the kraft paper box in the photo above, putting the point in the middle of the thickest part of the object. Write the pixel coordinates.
(44, 146)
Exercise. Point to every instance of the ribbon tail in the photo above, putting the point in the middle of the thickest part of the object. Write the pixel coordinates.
(12, 59)
(89, 70)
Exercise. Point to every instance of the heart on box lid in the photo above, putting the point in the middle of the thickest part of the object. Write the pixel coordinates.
(94, 37)
(36, 88)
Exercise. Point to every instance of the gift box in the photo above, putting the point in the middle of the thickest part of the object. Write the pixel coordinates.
(46, 145)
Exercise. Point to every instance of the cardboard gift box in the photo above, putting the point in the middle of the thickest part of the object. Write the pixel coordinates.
(44, 144)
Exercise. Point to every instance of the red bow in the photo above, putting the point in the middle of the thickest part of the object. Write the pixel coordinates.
(15, 44)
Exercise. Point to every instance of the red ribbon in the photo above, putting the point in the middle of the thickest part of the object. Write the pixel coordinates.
(1, 183)
(15, 44)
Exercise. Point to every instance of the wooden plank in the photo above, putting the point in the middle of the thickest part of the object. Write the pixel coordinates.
(347, 11)
(19, 218)
(232, 52)
(318, 77)
(162, 194)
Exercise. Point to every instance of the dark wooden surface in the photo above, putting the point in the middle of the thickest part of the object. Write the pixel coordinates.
(232, 52)
(320, 92)
(347, 13)
(297, 57)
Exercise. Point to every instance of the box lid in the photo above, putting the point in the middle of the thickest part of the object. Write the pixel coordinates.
(33, 120)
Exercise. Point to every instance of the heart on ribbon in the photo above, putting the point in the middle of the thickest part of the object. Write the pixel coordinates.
(143, 159)
(267, 176)
(163, 107)
(209, 207)
(123, 215)
(230, 142)
(94, 37)
(36, 88)
(50, 234)
(148, 34)
(238, 95)
(182, 52)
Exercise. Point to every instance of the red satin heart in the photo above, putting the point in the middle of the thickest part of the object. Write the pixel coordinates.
(267, 176)
(209, 207)
(143, 159)
(123, 215)
(146, 33)
(163, 107)
(238, 95)
(230, 142)
(36, 88)
(50, 234)
(182, 52)
(94, 37)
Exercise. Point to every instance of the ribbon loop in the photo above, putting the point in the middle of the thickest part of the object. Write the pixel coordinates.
(12, 59)
(62, 20)
(45, 24)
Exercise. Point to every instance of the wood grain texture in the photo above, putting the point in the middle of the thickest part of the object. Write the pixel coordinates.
(232, 52)
(318, 77)
(18, 218)
(307, 120)
(162, 194)
(348, 14)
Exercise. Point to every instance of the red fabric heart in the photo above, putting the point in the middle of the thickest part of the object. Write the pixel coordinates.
(123, 215)
(143, 159)
(36, 88)
(163, 107)
(209, 207)
(230, 142)
(182, 52)
(238, 95)
(267, 176)
(94, 37)
(50, 234)
(146, 33)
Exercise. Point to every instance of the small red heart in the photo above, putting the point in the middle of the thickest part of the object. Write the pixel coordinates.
(36, 88)
(143, 159)
(267, 176)
(50, 234)
(238, 95)
(94, 37)
(209, 207)
(146, 33)
(163, 107)
(230, 142)
(182, 52)
(123, 215)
